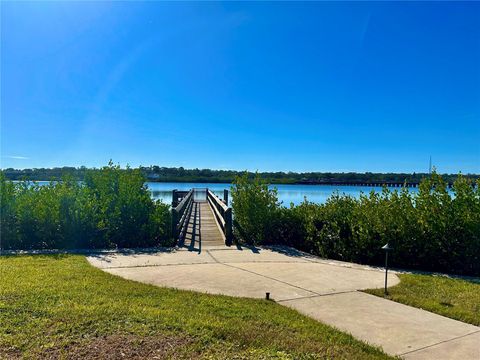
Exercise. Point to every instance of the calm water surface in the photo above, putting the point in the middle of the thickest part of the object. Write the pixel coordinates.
(286, 193)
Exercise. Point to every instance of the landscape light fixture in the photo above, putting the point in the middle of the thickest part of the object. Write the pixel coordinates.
(386, 248)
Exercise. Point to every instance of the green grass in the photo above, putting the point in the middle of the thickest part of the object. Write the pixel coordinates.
(452, 297)
(54, 306)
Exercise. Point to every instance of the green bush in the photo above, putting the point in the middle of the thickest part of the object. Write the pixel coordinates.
(434, 229)
(255, 208)
(112, 208)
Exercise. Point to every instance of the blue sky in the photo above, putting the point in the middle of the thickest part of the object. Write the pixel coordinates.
(260, 86)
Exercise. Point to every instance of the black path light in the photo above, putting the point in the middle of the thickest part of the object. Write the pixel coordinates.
(386, 248)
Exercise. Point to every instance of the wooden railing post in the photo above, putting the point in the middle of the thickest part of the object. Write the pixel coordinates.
(225, 196)
(228, 226)
(174, 224)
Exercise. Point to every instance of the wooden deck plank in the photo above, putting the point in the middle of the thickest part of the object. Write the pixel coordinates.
(202, 230)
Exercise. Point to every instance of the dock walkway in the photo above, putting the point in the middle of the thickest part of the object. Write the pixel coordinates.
(202, 230)
(201, 219)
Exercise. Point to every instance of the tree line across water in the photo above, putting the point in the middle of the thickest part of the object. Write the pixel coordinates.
(173, 174)
(433, 229)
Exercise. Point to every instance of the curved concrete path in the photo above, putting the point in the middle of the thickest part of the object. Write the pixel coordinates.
(323, 289)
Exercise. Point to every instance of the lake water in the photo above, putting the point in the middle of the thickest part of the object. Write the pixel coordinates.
(286, 193)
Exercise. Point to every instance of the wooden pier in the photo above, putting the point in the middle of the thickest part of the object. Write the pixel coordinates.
(201, 219)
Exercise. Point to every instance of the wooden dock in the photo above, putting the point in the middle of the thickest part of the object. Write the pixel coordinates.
(201, 219)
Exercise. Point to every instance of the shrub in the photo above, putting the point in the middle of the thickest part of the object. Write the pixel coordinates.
(255, 208)
(111, 208)
(434, 229)
(8, 221)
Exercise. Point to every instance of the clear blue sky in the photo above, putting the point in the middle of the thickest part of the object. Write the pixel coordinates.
(268, 86)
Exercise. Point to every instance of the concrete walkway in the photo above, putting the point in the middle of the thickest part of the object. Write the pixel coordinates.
(323, 289)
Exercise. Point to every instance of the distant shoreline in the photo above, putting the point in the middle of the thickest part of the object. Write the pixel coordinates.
(156, 174)
(309, 183)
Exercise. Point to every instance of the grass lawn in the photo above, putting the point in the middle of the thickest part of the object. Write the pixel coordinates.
(52, 306)
(455, 298)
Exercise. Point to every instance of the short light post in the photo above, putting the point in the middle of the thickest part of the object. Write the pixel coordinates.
(387, 249)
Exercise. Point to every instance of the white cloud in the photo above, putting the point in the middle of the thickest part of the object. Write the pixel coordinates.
(16, 157)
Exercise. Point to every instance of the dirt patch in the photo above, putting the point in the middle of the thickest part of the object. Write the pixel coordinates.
(8, 353)
(131, 347)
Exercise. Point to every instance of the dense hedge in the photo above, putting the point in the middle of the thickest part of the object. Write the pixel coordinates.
(434, 229)
(111, 208)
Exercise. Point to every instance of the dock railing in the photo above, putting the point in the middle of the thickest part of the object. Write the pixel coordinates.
(223, 215)
(181, 214)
